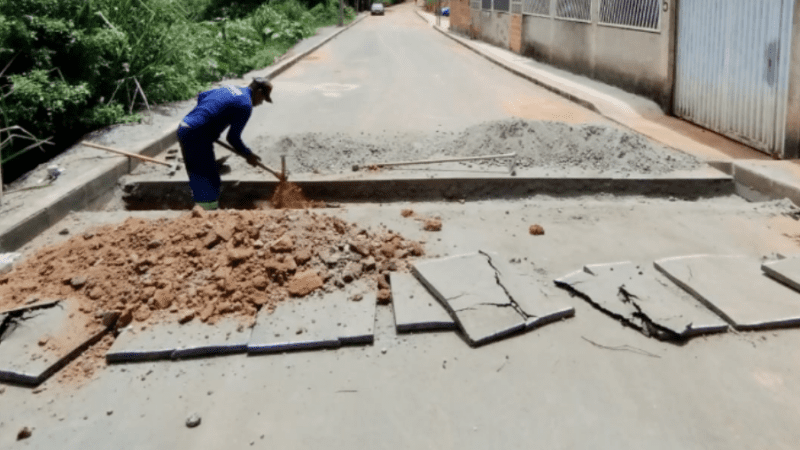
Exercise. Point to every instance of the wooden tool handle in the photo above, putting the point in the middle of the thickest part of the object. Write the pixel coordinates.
(261, 165)
(124, 153)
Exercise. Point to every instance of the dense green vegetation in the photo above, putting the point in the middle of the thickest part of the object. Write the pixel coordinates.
(71, 66)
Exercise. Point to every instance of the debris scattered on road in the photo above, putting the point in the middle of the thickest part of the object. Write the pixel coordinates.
(536, 230)
(24, 433)
(433, 225)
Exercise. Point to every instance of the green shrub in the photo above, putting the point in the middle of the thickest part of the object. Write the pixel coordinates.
(76, 65)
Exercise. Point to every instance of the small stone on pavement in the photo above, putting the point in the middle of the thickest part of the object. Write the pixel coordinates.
(193, 421)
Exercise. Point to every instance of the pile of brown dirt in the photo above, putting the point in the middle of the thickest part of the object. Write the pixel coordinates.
(289, 195)
(204, 265)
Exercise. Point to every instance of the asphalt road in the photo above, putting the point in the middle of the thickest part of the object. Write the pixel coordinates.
(394, 73)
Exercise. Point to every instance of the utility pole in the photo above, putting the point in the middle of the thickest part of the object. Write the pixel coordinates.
(341, 13)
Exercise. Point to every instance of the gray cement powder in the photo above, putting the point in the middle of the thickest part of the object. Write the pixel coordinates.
(554, 145)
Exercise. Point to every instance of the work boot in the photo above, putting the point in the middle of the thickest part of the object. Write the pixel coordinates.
(209, 206)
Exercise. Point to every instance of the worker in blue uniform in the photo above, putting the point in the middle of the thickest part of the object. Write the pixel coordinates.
(217, 109)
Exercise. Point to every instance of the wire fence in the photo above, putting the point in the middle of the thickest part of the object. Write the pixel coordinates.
(502, 5)
(541, 7)
(632, 13)
(574, 9)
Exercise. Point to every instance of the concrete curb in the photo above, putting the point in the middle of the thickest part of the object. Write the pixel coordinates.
(170, 194)
(571, 97)
(89, 193)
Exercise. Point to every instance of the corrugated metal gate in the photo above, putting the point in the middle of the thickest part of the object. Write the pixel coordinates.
(732, 68)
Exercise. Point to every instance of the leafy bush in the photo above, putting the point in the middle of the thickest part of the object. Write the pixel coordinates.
(76, 65)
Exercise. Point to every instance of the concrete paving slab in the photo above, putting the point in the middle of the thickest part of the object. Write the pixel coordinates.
(472, 291)
(171, 340)
(640, 297)
(36, 343)
(355, 319)
(415, 308)
(329, 320)
(153, 343)
(735, 288)
(538, 304)
(786, 270)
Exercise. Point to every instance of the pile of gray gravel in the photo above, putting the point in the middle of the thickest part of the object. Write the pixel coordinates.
(560, 145)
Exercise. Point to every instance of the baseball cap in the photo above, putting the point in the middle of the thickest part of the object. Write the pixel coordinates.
(265, 86)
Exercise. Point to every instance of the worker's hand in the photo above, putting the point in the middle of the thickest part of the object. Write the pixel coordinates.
(253, 159)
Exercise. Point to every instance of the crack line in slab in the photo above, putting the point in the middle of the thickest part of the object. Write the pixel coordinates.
(514, 303)
(621, 319)
(473, 307)
(651, 328)
(13, 318)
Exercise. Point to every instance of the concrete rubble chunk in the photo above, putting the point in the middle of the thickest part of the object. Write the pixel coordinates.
(487, 300)
(327, 321)
(640, 297)
(7, 261)
(416, 309)
(171, 340)
(36, 341)
(736, 289)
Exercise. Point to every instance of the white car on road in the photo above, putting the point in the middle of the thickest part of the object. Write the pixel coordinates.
(377, 8)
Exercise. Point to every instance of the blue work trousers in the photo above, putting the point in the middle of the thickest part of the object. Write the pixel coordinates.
(198, 157)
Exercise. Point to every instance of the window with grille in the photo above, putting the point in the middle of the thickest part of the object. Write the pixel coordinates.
(632, 13)
(541, 7)
(502, 5)
(574, 9)
(486, 4)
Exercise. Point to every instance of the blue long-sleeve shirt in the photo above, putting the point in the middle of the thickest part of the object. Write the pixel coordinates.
(222, 107)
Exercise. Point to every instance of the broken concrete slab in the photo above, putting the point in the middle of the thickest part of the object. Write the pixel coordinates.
(483, 296)
(415, 308)
(170, 340)
(786, 270)
(38, 341)
(536, 301)
(639, 297)
(736, 289)
(329, 320)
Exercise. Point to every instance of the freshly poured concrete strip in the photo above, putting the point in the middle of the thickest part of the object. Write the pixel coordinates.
(415, 308)
(171, 340)
(36, 343)
(326, 321)
(164, 192)
(787, 271)
(638, 296)
(735, 288)
(483, 300)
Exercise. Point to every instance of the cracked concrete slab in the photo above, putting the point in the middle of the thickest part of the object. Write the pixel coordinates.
(415, 308)
(640, 297)
(170, 340)
(539, 304)
(786, 270)
(736, 289)
(483, 296)
(37, 342)
(323, 321)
